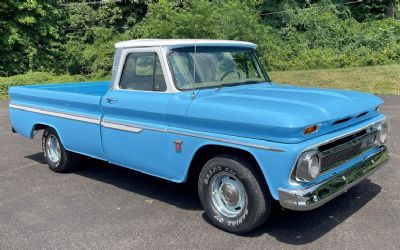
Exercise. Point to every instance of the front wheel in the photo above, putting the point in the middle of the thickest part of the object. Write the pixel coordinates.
(58, 158)
(233, 194)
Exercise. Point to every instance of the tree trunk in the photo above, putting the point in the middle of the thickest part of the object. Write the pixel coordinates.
(390, 8)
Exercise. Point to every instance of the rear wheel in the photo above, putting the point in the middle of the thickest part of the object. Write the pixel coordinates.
(58, 158)
(233, 194)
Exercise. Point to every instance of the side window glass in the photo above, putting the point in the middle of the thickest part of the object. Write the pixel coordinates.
(142, 71)
(182, 73)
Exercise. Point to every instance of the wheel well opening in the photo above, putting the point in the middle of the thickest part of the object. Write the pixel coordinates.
(37, 128)
(209, 151)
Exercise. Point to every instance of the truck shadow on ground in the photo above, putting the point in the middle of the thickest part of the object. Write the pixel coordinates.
(290, 227)
(179, 195)
(299, 228)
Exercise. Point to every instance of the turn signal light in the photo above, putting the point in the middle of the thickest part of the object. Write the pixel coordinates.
(310, 129)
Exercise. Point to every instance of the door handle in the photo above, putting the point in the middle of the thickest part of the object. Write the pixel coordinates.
(111, 100)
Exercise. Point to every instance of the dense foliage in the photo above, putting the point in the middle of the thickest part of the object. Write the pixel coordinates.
(78, 38)
(36, 78)
(29, 35)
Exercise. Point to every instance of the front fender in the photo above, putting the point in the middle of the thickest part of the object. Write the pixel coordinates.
(274, 164)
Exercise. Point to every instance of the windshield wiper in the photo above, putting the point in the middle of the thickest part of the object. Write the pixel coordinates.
(236, 84)
(226, 85)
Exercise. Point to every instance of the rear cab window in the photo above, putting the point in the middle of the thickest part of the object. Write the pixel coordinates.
(142, 71)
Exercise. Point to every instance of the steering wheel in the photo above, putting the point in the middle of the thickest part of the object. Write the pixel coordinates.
(229, 72)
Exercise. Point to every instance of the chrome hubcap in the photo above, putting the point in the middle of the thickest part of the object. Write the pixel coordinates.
(53, 149)
(227, 194)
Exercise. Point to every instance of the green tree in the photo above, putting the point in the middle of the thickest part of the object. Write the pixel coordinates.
(91, 31)
(370, 9)
(29, 35)
(202, 19)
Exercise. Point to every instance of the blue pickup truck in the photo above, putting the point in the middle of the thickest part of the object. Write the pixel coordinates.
(206, 110)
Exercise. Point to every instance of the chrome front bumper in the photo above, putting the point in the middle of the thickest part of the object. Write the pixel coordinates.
(316, 195)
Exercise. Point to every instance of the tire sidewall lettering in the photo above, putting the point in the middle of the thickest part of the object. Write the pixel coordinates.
(230, 171)
(44, 138)
(257, 206)
(44, 146)
(218, 217)
(215, 170)
(238, 221)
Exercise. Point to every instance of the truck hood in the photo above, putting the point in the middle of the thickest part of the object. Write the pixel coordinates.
(278, 113)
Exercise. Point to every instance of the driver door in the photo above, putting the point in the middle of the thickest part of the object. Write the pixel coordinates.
(134, 122)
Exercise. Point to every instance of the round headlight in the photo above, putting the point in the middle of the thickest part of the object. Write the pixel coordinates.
(314, 167)
(381, 133)
(308, 166)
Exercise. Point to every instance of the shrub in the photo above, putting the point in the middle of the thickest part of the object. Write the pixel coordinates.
(32, 78)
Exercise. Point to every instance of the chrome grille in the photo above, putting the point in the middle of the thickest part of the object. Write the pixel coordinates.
(350, 148)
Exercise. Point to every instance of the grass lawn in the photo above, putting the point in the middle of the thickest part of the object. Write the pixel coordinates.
(40, 78)
(382, 80)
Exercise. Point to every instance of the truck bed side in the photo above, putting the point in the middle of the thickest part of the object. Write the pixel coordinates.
(72, 109)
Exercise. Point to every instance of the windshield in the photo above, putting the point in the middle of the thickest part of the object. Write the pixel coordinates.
(215, 67)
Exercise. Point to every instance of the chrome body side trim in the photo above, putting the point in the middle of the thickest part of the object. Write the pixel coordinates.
(129, 127)
(81, 118)
(138, 128)
(119, 126)
(311, 197)
(229, 141)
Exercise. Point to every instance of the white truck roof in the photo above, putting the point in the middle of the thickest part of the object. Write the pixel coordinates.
(182, 43)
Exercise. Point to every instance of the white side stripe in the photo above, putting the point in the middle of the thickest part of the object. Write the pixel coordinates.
(57, 114)
(229, 141)
(138, 128)
(123, 127)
